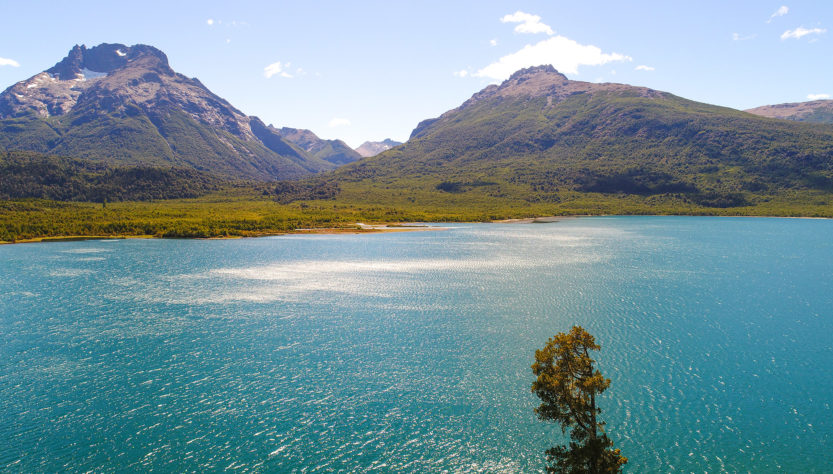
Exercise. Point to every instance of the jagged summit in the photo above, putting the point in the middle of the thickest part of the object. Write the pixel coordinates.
(125, 104)
(107, 57)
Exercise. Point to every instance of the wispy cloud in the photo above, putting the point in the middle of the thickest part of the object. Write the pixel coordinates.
(9, 62)
(232, 23)
(461, 73)
(493, 42)
(339, 122)
(817, 96)
(277, 68)
(740, 37)
(527, 23)
(564, 54)
(780, 12)
(801, 32)
(643, 67)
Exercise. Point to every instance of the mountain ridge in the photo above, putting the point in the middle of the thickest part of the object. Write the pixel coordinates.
(814, 111)
(539, 137)
(126, 105)
(370, 148)
(334, 151)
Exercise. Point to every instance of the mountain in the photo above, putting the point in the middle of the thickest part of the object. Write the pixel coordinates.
(124, 105)
(816, 111)
(541, 138)
(334, 151)
(367, 149)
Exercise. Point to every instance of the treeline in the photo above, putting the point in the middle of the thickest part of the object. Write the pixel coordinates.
(31, 175)
(290, 191)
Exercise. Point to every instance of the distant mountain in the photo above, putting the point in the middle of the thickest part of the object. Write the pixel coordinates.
(125, 105)
(541, 138)
(816, 111)
(334, 151)
(367, 149)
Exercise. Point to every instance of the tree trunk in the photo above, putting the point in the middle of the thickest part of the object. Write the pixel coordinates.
(594, 461)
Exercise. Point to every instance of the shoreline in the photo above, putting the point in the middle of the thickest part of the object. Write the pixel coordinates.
(361, 228)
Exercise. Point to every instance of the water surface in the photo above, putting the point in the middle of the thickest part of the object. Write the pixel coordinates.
(411, 351)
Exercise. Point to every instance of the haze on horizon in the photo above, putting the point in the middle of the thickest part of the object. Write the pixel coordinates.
(373, 70)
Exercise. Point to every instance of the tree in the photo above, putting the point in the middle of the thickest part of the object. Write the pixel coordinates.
(567, 385)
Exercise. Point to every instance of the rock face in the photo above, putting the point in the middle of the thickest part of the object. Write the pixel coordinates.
(334, 151)
(816, 111)
(367, 149)
(124, 104)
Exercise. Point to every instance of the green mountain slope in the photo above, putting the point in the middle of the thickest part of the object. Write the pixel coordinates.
(541, 138)
(125, 105)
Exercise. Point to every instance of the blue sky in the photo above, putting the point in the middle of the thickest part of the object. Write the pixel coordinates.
(372, 70)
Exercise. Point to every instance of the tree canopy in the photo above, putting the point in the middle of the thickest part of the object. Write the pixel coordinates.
(567, 384)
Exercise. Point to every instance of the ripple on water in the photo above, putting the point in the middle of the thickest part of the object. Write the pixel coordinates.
(411, 351)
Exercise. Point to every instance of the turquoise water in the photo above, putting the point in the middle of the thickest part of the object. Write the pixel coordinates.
(411, 351)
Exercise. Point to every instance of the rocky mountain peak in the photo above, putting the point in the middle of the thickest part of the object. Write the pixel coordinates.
(111, 78)
(522, 75)
(106, 58)
(125, 104)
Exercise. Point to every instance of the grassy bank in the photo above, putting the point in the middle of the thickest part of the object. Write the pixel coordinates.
(245, 214)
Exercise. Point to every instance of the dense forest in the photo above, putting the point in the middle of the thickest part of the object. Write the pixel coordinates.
(31, 175)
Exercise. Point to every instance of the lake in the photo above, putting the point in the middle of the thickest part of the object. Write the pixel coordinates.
(411, 351)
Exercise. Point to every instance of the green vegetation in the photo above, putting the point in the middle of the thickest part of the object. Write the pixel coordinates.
(232, 212)
(601, 153)
(30, 175)
(567, 384)
(254, 210)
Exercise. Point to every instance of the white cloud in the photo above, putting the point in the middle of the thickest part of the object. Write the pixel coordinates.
(339, 122)
(209, 22)
(493, 42)
(643, 67)
(563, 53)
(800, 32)
(527, 23)
(9, 62)
(461, 73)
(780, 12)
(818, 96)
(276, 69)
(739, 37)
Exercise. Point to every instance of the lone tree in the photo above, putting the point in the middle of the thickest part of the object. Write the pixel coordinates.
(567, 385)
